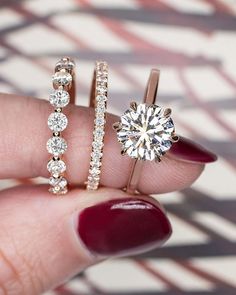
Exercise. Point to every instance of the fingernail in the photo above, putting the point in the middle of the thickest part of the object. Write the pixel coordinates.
(186, 149)
(123, 227)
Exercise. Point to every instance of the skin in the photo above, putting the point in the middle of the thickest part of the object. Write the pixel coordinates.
(32, 256)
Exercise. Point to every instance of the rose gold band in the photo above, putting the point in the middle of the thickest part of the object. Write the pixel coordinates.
(149, 98)
(63, 93)
(98, 100)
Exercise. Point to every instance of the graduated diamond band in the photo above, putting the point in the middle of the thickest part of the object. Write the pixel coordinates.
(63, 93)
(98, 100)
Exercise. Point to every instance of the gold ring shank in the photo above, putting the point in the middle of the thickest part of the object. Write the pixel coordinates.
(149, 98)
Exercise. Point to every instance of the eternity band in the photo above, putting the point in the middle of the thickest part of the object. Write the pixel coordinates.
(63, 93)
(149, 99)
(98, 100)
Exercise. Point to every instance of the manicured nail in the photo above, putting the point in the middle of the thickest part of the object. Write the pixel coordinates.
(186, 149)
(123, 227)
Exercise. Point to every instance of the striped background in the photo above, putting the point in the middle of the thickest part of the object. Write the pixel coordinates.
(193, 42)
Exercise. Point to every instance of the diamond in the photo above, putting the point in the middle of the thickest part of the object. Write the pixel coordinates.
(97, 145)
(101, 89)
(101, 98)
(95, 164)
(100, 121)
(94, 171)
(56, 146)
(101, 66)
(96, 155)
(101, 101)
(56, 167)
(98, 133)
(102, 71)
(59, 185)
(62, 78)
(65, 63)
(92, 186)
(93, 178)
(59, 98)
(57, 122)
(58, 181)
(146, 132)
(58, 190)
(102, 79)
(100, 109)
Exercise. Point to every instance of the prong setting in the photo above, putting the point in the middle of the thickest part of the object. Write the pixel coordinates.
(167, 112)
(175, 138)
(123, 152)
(116, 126)
(133, 105)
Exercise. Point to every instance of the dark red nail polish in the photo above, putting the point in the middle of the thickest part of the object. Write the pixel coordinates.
(123, 226)
(188, 150)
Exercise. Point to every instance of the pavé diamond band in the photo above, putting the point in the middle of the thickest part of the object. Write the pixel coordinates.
(145, 131)
(98, 100)
(63, 93)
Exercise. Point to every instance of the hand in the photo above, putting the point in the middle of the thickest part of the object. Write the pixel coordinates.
(45, 239)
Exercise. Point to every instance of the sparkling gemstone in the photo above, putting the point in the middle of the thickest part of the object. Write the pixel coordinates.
(58, 183)
(92, 186)
(59, 98)
(98, 133)
(102, 71)
(100, 121)
(57, 122)
(102, 79)
(93, 179)
(94, 171)
(96, 155)
(56, 167)
(62, 78)
(146, 132)
(101, 66)
(100, 109)
(101, 98)
(65, 63)
(95, 164)
(57, 190)
(56, 146)
(101, 89)
(97, 145)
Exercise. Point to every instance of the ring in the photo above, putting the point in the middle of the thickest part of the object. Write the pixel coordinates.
(145, 131)
(98, 100)
(63, 93)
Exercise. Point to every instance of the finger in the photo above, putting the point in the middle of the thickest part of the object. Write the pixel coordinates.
(23, 154)
(45, 240)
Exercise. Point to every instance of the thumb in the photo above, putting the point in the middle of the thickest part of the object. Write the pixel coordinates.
(45, 240)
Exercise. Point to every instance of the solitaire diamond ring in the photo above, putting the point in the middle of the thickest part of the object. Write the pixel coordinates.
(145, 131)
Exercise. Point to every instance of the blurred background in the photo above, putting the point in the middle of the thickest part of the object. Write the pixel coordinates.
(193, 43)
